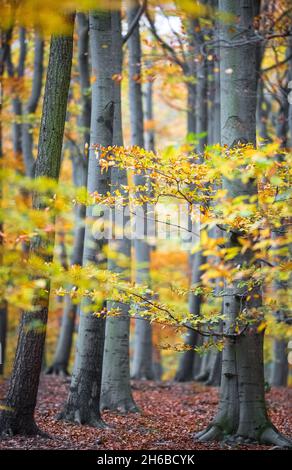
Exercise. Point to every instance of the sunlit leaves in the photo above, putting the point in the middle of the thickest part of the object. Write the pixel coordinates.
(175, 174)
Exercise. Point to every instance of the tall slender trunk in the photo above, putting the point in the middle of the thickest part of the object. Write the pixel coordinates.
(190, 362)
(202, 100)
(3, 334)
(149, 134)
(242, 410)
(3, 304)
(18, 416)
(83, 403)
(289, 51)
(116, 387)
(280, 367)
(142, 358)
(150, 146)
(31, 106)
(191, 74)
(211, 369)
(17, 72)
(80, 167)
(263, 113)
(279, 373)
(214, 377)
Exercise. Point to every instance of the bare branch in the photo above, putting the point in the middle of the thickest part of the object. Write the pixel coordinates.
(164, 44)
(135, 22)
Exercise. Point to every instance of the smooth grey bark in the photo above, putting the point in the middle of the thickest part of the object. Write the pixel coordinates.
(190, 362)
(280, 368)
(17, 72)
(79, 167)
(149, 134)
(282, 116)
(263, 113)
(191, 74)
(199, 69)
(214, 378)
(31, 106)
(116, 391)
(279, 372)
(150, 146)
(18, 417)
(142, 358)
(210, 371)
(83, 403)
(204, 371)
(200, 123)
(202, 100)
(242, 411)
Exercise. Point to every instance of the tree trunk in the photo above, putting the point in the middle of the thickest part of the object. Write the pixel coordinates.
(31, 106)
(263, 113)
(214, 378)
(3, 334)
(201, 97)
(83, 403)
(149, 134)
(18, 417)
(279, 375)
(80, 167)
(142, 359)
(280, 364)
(190, 362)
(3, 303)
(16, 101)
(116, 387)
(191, 83)
(211, 372)
(242, 411)
(204, 371)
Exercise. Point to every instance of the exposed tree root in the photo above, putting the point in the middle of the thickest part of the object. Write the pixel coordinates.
(273, 437)
(80, 417)
(212, 383)
(57, 369)
(146, 376)
(11, 427)
(122, 408)
(270, 436)
(180, 377)
(202, 377)
(212, 433)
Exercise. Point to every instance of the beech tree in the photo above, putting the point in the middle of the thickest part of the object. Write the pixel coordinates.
(18, 415)
(116, 387)
(3, 306)
(83, 403)
(142, 359)
(79, 170)
(242, 411)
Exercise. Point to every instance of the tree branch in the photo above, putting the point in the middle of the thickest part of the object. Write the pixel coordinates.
(164, 44)
(135, 22)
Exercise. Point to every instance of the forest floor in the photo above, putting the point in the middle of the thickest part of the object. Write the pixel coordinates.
(170, 416)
